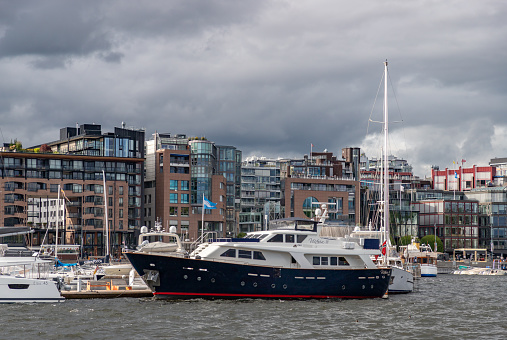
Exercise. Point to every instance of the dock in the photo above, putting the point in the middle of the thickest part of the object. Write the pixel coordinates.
(107, 294)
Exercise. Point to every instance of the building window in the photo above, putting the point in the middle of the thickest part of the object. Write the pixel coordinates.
(120, 201)
(173, 211)
(185, 185)
(184, 211)
(110, 190)
(120, 190)
(120, 213)
(173, 185)
(184, 198)
(308, 206)
(173, 198)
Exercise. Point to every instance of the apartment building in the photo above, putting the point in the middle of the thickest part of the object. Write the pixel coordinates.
(179, 172)
(76, 164)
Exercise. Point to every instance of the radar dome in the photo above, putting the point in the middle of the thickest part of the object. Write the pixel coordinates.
(144, 229)
(173, 229)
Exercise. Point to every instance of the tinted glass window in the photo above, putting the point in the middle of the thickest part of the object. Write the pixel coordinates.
(316, 260)
(257, 255)
(276, 238)
(289, 238)
(229, 253)
(301, 238)
(245, 254)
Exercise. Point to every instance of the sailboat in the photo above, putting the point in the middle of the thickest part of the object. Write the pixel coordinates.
(402, 278)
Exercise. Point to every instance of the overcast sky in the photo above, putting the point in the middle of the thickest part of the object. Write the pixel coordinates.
(269, 77)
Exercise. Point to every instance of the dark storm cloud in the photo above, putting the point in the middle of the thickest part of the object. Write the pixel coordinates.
(269, 77)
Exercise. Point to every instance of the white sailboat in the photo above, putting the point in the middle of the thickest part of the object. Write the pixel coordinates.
(402, 279)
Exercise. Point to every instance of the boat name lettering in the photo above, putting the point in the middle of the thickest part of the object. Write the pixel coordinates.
(317, 241)
(384, 272)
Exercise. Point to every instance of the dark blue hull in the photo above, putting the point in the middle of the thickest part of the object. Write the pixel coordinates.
(175, 277)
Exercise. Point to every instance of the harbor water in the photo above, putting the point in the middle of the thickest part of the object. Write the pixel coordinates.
(444, 307)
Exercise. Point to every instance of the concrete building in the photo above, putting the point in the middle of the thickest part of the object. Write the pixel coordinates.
(463, 179)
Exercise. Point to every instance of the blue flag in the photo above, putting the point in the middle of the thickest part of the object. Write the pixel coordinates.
(208, 204)
(455, 174)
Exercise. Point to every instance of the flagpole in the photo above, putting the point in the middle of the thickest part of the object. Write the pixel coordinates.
(202, 226)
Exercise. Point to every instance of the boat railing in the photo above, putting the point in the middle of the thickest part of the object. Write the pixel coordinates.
(206, 237)
(36, 270)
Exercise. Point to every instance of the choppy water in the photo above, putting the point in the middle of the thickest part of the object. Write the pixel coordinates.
(446, 307)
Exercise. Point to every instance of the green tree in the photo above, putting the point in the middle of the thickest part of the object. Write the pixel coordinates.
(405, 240)
(430, 240)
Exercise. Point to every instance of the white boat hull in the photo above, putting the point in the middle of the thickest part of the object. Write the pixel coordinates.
(402, 281)
(428, 270)
(17, 289)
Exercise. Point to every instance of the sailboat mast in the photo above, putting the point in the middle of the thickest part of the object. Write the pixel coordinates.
(386, 162)
(57, 222)
(105, 214)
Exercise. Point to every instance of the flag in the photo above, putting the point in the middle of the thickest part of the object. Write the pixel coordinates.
(463, 161)
(402, 188)
(208, 204)
(383, 248)
(455, 174)
(311, 145)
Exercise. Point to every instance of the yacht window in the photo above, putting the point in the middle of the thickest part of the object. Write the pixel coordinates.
(257, 255)
(316, 260)
(262, 236)
(245, 254)
(289, 238)
(334, 261)
(248, 236)
(256, 236)
(301, 238)
(324, 261)
(342, 261)
(276, 238)
(292, 260)
(229, 253)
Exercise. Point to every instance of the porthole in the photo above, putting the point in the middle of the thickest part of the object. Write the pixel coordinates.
(198, 278)
(212, 280)
(343, 287)
(371, 287)
(383, 276)
(255, 284)
(242, 283)
(185, 277)
(284, 286)
(363, 287)
(273, 285)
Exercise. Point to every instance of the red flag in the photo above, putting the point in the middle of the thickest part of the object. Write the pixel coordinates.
(383, 248)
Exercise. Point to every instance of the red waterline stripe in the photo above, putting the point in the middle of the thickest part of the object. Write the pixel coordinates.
(265, 295)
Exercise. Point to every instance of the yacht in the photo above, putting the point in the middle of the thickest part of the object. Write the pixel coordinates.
(292, 260)
(423, 255)
(24, 277)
